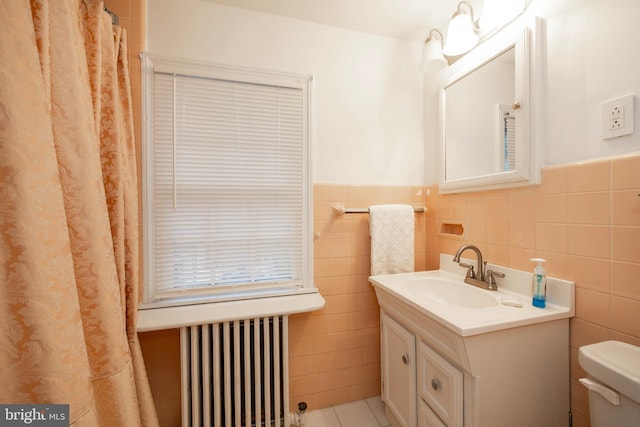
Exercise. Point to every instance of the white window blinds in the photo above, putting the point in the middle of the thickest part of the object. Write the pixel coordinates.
(509, 141)
(230, 186)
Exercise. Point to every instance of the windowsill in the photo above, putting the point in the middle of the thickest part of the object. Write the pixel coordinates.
(155, 319)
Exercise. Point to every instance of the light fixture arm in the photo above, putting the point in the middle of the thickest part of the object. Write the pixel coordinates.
(432, 57)
(460, 11)
(432, 35)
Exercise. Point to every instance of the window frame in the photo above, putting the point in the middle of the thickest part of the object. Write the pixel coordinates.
(153, 64)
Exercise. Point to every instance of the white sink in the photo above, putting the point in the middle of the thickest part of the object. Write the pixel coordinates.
(450, 292)
(467, 310)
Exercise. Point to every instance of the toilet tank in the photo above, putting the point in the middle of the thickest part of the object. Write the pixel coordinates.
(613, 370)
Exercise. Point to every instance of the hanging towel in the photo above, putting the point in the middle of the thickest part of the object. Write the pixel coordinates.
(391, 228)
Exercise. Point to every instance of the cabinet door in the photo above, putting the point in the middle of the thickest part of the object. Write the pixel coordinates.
(440, 385)
(398, 348)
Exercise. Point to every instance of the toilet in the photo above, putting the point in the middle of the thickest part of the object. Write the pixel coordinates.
(613, 371)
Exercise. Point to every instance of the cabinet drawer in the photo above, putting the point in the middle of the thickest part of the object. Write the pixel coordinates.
(440, 386)
(428, 418)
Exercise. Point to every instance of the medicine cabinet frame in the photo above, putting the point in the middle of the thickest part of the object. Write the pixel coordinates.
(527, 43)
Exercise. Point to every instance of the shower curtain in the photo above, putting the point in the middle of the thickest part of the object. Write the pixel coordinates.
(68, 215)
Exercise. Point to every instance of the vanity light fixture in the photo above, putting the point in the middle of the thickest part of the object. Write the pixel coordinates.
(464, 31)
(462, 34)
(432, 57)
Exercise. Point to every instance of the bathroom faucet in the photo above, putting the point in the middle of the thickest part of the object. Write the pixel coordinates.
(481, 263)
(481, 279)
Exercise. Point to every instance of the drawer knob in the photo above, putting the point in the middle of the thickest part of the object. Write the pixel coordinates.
(405, 359)
(435, 384)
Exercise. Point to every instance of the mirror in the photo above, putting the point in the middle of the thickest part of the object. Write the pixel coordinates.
(485, 113)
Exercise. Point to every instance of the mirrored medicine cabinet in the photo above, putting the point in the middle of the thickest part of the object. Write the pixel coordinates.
(487, 118)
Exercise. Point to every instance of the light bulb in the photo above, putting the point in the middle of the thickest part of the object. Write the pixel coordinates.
(461, 35)
(432, 58)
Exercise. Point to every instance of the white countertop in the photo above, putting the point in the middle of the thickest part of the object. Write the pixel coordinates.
(466, 321)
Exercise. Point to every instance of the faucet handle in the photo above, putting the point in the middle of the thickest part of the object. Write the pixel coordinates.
(490, 277)
(470, 272)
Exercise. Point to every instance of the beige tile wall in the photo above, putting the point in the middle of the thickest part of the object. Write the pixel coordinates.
(161, 352)
(585, 220)
(335, 352)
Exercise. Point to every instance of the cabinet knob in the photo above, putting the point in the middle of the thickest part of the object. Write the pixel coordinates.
(405, 359)
(435, 384)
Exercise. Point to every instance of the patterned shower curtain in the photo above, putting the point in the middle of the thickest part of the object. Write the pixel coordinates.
(69, 215)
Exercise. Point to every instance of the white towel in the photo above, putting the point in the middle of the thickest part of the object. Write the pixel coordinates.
(391, 228)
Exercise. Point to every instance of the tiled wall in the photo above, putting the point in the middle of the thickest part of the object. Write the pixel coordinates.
(585, 220)
(335, 352)
(161, 351)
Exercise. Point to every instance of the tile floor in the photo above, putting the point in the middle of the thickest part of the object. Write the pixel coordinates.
(363, 413)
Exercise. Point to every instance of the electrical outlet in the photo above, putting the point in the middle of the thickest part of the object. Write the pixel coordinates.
(618, 117)
(616, 111)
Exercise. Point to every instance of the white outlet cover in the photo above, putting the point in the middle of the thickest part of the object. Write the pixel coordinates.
(627, 104)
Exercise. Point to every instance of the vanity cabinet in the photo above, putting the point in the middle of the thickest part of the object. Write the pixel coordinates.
(448, 361)
(433, 377)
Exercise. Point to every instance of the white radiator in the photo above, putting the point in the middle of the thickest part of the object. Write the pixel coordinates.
(235, 374)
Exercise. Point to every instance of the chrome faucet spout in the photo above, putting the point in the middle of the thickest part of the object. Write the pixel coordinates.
(481, 263)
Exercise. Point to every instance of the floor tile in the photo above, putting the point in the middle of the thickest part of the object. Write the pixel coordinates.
(377, 407)
(363, 413)
(321, 418)
(356, 414)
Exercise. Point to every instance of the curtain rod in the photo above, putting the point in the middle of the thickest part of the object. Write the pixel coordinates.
(114, 18)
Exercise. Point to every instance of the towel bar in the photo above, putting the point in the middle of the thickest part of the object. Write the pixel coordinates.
(341, 210)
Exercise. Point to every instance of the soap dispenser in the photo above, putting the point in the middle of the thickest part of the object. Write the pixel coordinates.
(539, 284)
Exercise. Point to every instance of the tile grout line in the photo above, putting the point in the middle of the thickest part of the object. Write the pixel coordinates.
(366, 401)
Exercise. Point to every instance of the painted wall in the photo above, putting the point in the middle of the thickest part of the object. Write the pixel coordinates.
(592, 57)
(368, 112)
(367, 92)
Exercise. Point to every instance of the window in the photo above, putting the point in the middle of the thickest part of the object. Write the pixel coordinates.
(226, 183)
(509, 141)
(507, 138)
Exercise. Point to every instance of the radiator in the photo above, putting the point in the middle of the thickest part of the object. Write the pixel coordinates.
(235, 374)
